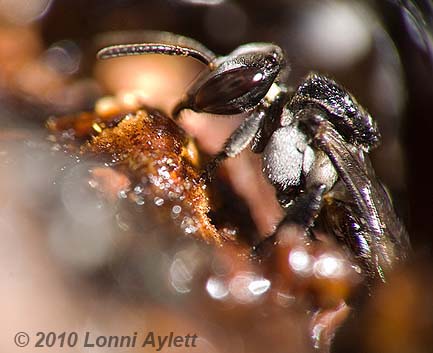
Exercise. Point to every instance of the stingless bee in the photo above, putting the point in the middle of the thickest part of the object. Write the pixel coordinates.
(314, 143)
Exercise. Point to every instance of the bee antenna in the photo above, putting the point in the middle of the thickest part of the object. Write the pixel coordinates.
(116, 51)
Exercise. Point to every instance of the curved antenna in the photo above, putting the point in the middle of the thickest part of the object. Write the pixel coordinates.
(115, 51)
(152, 37)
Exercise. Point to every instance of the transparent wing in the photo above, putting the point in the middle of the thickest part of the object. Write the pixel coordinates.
(385, 234)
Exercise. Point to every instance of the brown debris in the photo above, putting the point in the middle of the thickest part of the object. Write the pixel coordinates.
(155, 156)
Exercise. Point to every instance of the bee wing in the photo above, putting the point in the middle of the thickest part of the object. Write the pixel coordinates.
(151, 42)
(386, 236)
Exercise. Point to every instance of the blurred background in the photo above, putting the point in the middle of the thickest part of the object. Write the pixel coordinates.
(67, 262)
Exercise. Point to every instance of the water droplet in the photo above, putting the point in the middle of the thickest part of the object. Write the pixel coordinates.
(158, 201)
(328, 266)
(259, 286)
(300, 262)
(139, 201)
(172, 195)
(138, 189)
(93, 183)
(216, 288)
(122, 194)
(240, 287)
(181, 274)
(176, 209)
(163, 172)
(188, 225)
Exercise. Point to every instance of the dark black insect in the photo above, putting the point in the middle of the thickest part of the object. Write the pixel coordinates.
(314, 143)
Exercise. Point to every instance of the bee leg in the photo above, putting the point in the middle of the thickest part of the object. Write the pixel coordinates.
(274, 112)
(301, 213)
(237, 141)
(256, 129)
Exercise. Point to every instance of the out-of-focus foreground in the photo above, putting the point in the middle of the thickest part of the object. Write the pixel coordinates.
(88, 247)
